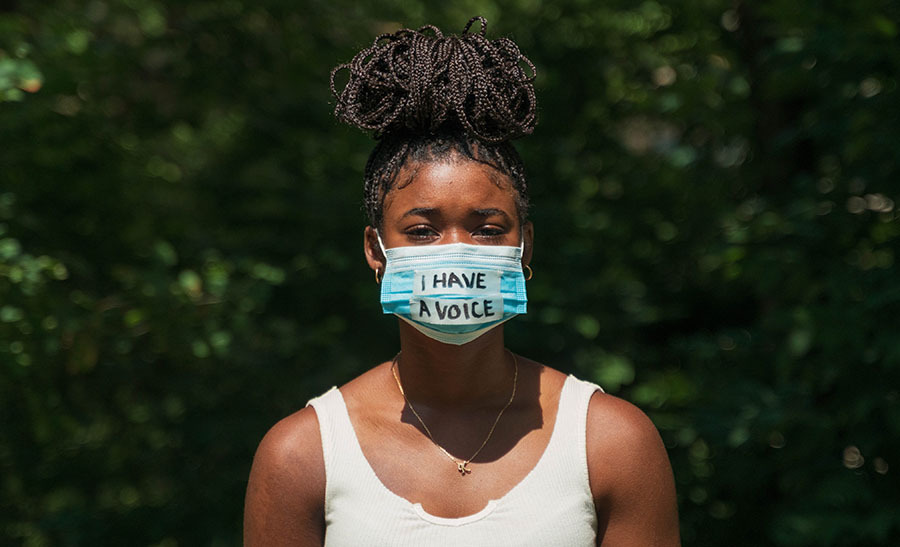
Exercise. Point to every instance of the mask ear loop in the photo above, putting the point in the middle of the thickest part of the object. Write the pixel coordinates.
(381, 244)
(378, 272)
(526, 267)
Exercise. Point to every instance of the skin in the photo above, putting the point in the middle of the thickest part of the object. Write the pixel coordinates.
(458, 391)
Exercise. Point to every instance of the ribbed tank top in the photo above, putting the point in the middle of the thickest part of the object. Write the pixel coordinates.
(552, 505)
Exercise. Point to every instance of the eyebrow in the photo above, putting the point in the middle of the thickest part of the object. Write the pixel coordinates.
(431, 211)
(420, 211)
(491, 212)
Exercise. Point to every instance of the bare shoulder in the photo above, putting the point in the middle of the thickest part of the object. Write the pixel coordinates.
(618, 428)
(630, 475)
(286, 491)
(295, 439)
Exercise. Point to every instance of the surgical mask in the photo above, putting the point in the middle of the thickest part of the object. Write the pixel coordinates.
(456, 292)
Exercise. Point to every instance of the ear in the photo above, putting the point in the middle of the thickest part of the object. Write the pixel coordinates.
(372, 250)
(528, 240)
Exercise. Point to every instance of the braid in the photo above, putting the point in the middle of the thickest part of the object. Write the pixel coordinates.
(426, 96)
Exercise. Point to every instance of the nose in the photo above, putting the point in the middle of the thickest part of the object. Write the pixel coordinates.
(456, 235)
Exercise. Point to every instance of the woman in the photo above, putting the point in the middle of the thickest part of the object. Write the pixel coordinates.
(455, 440)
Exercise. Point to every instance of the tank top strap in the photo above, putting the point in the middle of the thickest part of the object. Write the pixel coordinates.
(344, 458)
(564, 465)
(328, 411)
(573, 407)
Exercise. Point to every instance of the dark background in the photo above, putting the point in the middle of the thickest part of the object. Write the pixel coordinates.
(714, 189)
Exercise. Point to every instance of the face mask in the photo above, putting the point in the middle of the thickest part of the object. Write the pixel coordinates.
(453, 293)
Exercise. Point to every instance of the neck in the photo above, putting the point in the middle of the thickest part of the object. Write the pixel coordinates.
(447, 376)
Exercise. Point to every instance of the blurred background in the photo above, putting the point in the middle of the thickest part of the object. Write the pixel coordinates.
(714, 188)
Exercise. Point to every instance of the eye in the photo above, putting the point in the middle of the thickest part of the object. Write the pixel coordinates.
(421, 232)
(490, 232)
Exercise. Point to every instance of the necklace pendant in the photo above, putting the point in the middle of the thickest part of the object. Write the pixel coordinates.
(461, 467)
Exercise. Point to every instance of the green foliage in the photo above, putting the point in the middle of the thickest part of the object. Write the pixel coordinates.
(18, 74)
(716, 240)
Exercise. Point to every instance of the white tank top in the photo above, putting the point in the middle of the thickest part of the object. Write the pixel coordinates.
(552, 505)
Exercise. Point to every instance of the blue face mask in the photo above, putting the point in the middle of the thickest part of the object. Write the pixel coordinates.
(453, 293)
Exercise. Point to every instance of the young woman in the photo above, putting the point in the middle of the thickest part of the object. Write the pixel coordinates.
(455, 440)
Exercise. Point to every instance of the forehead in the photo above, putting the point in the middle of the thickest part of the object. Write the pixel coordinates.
(450, 184)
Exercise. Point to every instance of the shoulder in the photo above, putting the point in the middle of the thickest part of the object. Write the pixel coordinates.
(294, 439)
(286, 490)
(630, 475)
(616, 428)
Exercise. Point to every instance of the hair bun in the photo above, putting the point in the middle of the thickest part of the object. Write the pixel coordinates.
(420, 81)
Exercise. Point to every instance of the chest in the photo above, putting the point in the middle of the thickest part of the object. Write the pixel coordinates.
(415, 467)
(388, 484)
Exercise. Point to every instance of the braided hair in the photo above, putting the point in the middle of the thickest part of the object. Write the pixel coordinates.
(426, 97)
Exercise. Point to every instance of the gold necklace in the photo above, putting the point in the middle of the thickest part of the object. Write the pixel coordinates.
(461, 465)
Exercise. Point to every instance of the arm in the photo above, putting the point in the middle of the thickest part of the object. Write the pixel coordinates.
(630, 476)
(286, 492)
